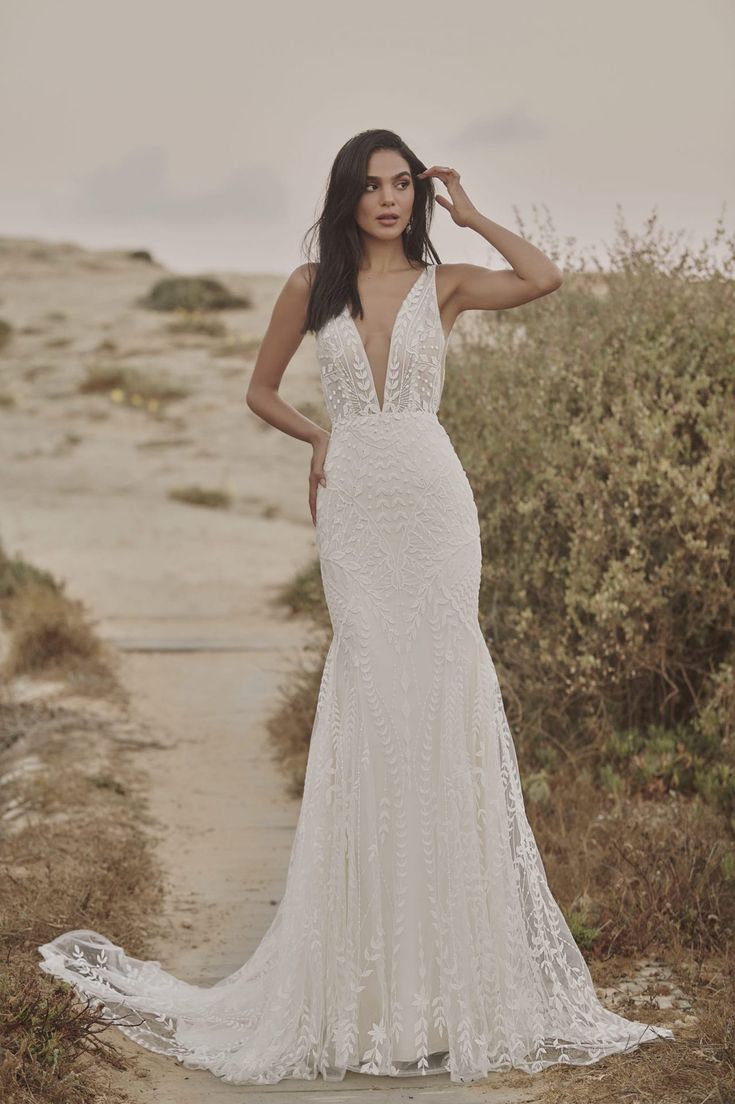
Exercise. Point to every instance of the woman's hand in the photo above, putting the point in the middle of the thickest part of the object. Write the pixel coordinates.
(462, 209)
(316, 475)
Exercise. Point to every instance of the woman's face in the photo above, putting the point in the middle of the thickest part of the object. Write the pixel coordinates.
(388, 191)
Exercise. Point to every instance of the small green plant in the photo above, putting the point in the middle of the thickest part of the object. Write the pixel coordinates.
(611, 782)
(584, 934)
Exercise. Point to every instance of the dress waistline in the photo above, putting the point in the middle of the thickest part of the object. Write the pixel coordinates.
(346, 420)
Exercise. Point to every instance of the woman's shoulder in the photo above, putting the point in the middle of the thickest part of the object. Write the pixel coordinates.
(303, 275)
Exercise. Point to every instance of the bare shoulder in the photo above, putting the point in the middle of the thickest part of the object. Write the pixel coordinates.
(293, 299)
(302, 278)
(289, 310)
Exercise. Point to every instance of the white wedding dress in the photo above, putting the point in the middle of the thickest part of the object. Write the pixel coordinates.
(416, 933)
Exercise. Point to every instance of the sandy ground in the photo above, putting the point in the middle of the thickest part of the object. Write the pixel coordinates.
(184, 592)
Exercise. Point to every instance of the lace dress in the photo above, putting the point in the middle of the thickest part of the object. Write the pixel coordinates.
(416, 933)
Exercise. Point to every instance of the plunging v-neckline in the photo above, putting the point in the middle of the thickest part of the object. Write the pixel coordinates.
(363, 352)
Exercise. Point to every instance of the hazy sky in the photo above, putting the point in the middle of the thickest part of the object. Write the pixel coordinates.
(205, 131)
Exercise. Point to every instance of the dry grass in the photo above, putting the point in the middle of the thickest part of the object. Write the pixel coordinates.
(131, 386)
(6, 333)
(50, 635)
(304, 595)
(33, 371)
(165, 442)
(198, 323)
(15, 573)
(48, 1048)
(201, 496)
(245, 347)
(697, 1067)
(289, 725)
(72, 855)
(643, 875)
(294, 716)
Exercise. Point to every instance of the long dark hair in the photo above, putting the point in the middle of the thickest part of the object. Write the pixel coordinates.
(337, 256)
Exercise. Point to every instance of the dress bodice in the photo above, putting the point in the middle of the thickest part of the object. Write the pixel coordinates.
(415, 369)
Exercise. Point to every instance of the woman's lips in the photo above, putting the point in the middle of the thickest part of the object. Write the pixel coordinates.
(388, 218)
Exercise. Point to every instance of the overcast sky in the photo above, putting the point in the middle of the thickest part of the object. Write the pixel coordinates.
(205, 131)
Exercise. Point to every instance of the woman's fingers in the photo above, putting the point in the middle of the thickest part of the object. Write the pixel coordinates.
(316, 479)
(312, 500)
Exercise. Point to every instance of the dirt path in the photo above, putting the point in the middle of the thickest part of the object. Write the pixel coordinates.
(184, 592)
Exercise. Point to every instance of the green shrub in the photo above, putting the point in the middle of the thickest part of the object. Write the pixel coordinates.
(191, 293)
(596, 427)
(659, 761)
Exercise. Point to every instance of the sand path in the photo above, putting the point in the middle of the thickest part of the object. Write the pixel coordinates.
(185, 593)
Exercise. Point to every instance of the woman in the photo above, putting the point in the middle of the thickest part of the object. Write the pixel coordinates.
(417, 933)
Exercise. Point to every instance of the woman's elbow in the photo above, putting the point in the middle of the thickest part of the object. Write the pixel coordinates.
(253, 396)
(552, 282)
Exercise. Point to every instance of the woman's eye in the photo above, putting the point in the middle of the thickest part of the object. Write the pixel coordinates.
(402, 183)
